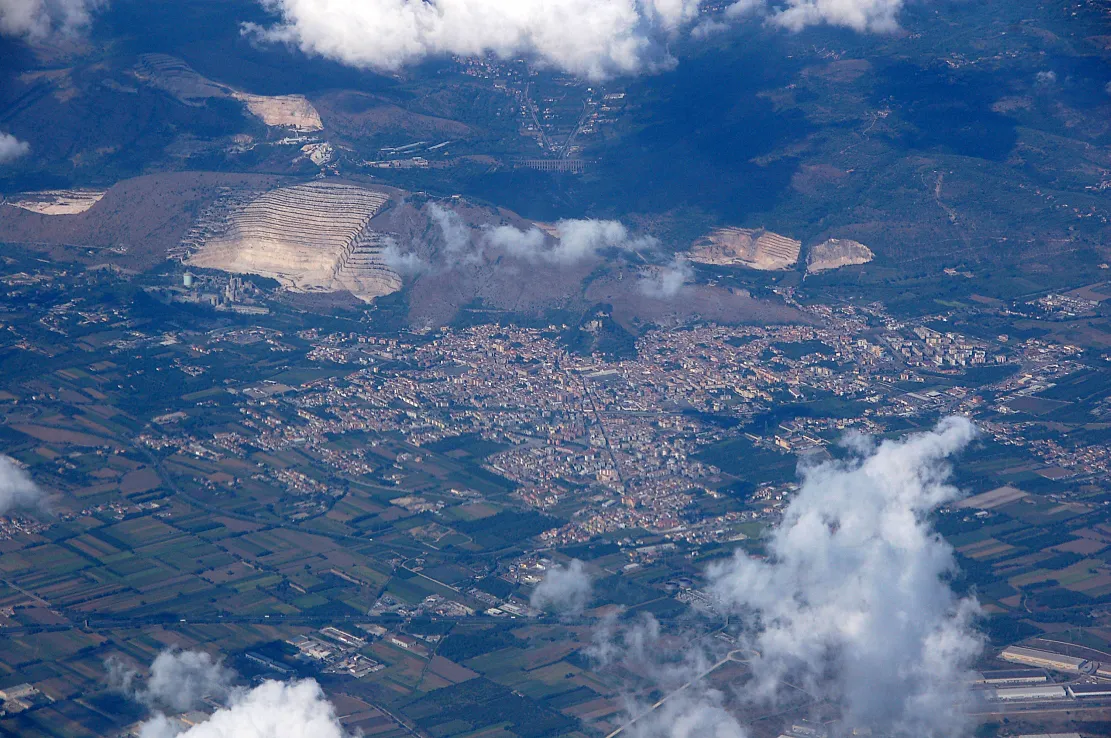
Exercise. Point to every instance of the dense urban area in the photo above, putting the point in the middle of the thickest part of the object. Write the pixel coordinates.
(376, 508)
(701, 368)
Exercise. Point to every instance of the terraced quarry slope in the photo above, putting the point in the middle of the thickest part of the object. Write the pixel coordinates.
(176, 78)
(752, 248)
(310, 237)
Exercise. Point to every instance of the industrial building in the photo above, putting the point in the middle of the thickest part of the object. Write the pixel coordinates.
(1081, 691)
(1012, 676)
(1044, 692)
(17, 699)
(1043, 659)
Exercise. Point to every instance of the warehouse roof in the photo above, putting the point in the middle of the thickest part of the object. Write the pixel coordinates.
(1018, 653)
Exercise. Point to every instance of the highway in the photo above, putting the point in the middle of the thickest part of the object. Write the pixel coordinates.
(729, 657)
(565, 150)
(1044, 706)
(81, 621)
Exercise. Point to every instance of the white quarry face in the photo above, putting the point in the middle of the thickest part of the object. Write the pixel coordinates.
(283, 111)
(310, 237)
(752, 248)
(57, 202)
(176, 78)
(836, 253)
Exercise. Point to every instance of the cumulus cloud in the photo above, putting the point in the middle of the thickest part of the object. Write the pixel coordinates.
(576, 241)
(1046, 79)
(179, 680)
(121, 677)
(11, 148)
(580, 239)
(696, 713)
(38, 19)
(853, 600)
(456, 234)
(677, 668)
(664, 283)
(407, 264)
(879, 16)
(565, 589)
(531, 245)
(708, 28)
(17, 489)
(287, 709)
(183, 680)
(610, 36)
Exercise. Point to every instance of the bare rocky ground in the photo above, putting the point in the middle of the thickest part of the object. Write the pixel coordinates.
(752, 248)
(140, 222)
(695, 302)
(835, 253)
(135, 224)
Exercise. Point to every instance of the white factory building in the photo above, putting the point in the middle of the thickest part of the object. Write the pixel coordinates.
(1043, 659)
(1082, 691)
(1044, 692)
(1012, 677)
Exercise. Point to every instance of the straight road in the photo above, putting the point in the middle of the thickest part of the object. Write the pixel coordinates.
(732, 656)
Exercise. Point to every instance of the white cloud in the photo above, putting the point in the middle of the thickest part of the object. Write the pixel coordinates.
(861, 15)
(696, 713)
(17, 489)
(179, 680)
(576, 241)
(456, 234)
(708, 28)
(407, 264)
(272, 709)
(529, 245)
(1046, 79)
(565, 589)
(457, 243)
(676, 669)
(11, 148)
(580, 239)
(589, 38)
(852, 601)
(610, 37)
(664, 283)
(183, 680)
(39, 19)
(458, 247)
(743, 8)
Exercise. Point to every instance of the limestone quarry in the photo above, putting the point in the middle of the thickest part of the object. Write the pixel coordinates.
(313, 237)
(836, 253)
(176, 78)
(283, 111)
(752, 248)
(57, 202)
